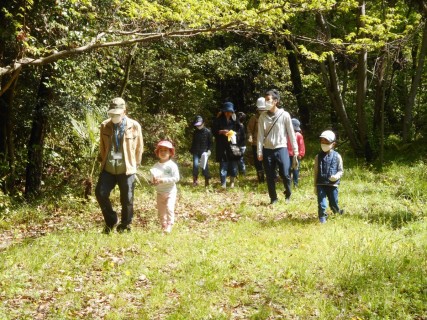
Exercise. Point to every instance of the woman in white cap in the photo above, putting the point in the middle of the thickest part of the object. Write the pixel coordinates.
(252, 137)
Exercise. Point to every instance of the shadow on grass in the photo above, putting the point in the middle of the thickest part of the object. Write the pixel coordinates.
(394, 220)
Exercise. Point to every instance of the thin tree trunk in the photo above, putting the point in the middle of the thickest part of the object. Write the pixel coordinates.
(7, 143)
(362, 88)
(407, 121)
(298, 90)
(380, 100)
(129, 60)
(330, 78)
(34, 168)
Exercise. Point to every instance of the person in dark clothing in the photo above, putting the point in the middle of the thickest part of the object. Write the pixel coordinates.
(227, 130)
(201, 150)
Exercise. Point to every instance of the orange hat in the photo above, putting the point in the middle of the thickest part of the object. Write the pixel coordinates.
(167, 144)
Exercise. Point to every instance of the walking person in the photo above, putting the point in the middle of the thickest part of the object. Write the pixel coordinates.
(165, 175)
(294, 170)
(120, 153)
(252, 130)
(201, 150)
(274, 128)
(242, 145)
(227, 131)
(328, 170)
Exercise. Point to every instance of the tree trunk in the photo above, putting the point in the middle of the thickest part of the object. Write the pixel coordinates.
(361, 89)
(330, 78)
(407, 121)
(129, 60)
(36, 144)
(298, 90)
(379, 104)
(7, 144)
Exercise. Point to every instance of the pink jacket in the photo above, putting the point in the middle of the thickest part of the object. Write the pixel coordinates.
(300, 143)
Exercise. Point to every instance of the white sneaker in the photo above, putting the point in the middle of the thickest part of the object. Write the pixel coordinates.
(168, 229)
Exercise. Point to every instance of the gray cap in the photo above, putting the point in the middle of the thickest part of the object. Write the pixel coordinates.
(117, 106)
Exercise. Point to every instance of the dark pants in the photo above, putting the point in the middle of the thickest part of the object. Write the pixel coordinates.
(257, 163)
(280, 158)
(105, 185)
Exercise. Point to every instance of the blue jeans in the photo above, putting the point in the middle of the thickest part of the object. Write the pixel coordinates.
(241, 162)
(280, 158)
(227, 168)
(105, 185)
(294, 173)
(205, 171)
(331, 193)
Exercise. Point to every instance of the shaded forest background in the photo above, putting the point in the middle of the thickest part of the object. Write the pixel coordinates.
(355, 67)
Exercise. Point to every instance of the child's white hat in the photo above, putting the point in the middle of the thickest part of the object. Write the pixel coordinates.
(328, 135)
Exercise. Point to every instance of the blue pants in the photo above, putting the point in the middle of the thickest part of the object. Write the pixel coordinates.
(241, 163)
(294, 173)
(331, 193)
(205, 171)
(227, 168)
(280, 158)
(105, 185)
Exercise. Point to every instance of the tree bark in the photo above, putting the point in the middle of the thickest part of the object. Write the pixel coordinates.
(298, 88)
(34, 168)
(407, 120)
(330, 78)
(361, 89)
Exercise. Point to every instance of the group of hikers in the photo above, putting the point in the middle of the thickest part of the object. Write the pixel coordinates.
(277, 147)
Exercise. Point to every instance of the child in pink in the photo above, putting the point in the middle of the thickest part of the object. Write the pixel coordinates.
(165, 175)
(294, 171)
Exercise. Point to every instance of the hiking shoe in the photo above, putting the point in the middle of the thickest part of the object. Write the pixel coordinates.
(122, 228)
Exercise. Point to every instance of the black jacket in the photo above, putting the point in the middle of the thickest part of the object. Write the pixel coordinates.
(222, 151)
(202, 141)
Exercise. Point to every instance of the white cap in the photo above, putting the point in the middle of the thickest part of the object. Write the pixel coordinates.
(328, 135)
(260, 104)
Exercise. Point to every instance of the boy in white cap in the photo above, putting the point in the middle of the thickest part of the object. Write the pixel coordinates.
(328, 170)
(120, 153)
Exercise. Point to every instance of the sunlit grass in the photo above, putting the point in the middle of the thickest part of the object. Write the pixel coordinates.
(230, 255)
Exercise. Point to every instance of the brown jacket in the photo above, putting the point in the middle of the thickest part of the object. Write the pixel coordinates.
(133, 144)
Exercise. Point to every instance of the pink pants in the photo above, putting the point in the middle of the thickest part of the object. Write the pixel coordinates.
(166, 207)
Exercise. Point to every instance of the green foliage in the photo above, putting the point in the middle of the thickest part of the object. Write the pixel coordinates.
(165, 126)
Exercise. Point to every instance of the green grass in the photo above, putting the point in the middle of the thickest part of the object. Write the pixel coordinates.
(230, 255)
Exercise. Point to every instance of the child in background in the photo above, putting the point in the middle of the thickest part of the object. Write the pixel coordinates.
(165, 175)
(201, 146)
(294, 172)
(328, 170)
